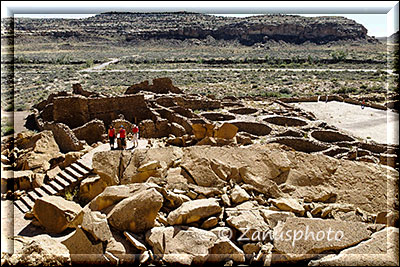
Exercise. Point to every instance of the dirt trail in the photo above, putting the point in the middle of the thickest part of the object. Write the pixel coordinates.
(379, 125)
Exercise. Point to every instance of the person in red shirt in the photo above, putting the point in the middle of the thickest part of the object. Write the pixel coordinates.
(135, 131)
(122, 136)
(111, 136)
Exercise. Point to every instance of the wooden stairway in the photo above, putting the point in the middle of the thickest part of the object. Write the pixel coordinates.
(63, 180)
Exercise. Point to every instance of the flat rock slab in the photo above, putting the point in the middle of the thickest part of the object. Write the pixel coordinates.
(181, 245)
(194, 210)
(304, 238)
(382, 249)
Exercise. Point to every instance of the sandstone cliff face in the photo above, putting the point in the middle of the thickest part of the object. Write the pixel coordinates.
(184, 25)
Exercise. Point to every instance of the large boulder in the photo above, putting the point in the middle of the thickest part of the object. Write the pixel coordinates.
(92, 131)
(310, 237)
(226, 131)
(91, 187)
(39, 250)
(382, 249)
(40, 149)
(181, 245)
(64, 137)
(55, 213)
(239, 195)
(109, 165)
(42, 142)
(246, 219)
(136, 213)
(193, 211)
(95, 223)
(114, 194)
(82, 249)
(225, 250)
(288, 204)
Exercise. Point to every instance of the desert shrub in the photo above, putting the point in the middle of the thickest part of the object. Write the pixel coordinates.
(285, 91)
(270, 94)
(338, 56)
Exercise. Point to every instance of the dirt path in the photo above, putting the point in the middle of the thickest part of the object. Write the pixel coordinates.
(226, 69)
(368, 123)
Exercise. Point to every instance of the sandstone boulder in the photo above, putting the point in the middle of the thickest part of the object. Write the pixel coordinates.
(91, 187)
(207, 141)
(42, 142)
(110, 196)
(273, 217)
(226, 131)
(247, 219)
(71, 157)
(177, 129)
(239, 195)
(55, 213)
(39, 162)
(136, 213)
(288, 204)
(92, 131)
(225, 250)
(82, 250)
(382, 249)
(106, 164)
(200, 131)
(310, 237)
(96, 224)
(209, 223)
(181, 245)
(194, 210)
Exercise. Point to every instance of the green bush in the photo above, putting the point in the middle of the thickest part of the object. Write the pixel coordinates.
(338, 55)
(286, 91)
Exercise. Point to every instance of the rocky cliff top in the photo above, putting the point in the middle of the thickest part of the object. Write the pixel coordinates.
(127, 26)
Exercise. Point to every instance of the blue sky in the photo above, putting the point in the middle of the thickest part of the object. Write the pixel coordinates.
(376, 16)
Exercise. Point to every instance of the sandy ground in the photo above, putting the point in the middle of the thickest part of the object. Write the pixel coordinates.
(368, 123)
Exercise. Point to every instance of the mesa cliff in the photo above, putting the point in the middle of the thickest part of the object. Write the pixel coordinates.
(130, 27)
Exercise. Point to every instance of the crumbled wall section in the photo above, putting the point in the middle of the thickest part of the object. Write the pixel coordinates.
(75, 111)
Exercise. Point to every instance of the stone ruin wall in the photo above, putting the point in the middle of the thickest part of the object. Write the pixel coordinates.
(75, 111)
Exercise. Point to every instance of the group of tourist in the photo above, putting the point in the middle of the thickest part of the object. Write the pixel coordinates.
(121, 136)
